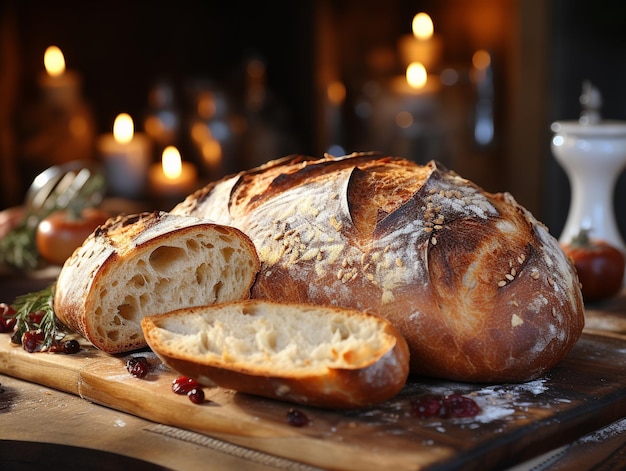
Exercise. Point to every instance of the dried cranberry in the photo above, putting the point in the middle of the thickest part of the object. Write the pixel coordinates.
(68, 347)
(453, 405)
(183, 385)
(460, 406)
(297, 418)
(138, 366)
(7, 319)
(31, 340)
(196, 395)
(36, 317)
(71, 346)
(426, 407)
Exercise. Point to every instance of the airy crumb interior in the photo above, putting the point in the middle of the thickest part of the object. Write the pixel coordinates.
(203, 268)
(273, 336)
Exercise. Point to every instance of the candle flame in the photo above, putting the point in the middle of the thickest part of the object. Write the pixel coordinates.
(416, 75)
(422, 26)
(54, 62)
(123, 128)
(171, 163)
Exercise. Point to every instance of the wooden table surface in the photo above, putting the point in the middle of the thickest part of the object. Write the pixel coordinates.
(41, 421)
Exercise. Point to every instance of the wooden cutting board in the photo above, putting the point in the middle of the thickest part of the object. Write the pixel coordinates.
(585, 391)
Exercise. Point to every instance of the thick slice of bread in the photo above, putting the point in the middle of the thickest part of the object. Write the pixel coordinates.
(146, 264)
(314, 355)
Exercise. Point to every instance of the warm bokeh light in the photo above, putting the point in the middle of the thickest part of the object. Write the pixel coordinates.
(172, 163)
(256, 69)
(54, 62)
(404, 119)
(123, 128)
(336, 93)
(423, 27)
(416, 75)
(211, 152)
(481, 59)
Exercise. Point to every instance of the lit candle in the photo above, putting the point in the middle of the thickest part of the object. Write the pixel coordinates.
(423, 45)
(415, 82)
(60, 86)
(172, 179)
(126, 158)
(412, 97)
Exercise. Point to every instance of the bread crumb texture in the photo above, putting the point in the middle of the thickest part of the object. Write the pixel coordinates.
(151, 266)
(286, 340)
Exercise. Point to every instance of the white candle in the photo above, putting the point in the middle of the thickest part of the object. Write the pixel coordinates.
(423, 45)
(172, 179)
(126, 158)
(415, 83)
(60, 87)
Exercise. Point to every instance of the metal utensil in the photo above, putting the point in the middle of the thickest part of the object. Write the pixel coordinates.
(59, 185)
(74, 185)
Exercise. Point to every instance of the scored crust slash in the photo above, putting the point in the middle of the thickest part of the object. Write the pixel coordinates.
(476, 285)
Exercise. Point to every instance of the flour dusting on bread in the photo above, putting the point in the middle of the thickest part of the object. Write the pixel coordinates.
(390, 237)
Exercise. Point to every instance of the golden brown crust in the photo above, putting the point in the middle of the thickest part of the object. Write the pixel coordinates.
(480, 289)
(146, 264)
(366, 380)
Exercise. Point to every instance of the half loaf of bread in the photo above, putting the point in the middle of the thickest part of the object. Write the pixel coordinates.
(145, 264)
(314, 355)
(478, 287)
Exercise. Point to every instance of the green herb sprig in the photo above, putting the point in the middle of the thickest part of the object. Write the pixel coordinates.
(18, 248)
(38, 302)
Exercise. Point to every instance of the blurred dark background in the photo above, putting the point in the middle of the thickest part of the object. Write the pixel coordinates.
(541, 51)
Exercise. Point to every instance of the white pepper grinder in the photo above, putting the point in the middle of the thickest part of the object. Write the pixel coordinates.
(592, 151)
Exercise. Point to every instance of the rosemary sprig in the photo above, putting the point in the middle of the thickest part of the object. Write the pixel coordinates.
(18, 248)
(46, 322)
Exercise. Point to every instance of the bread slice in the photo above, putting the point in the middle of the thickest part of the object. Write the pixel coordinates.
(145, 264)
(315, 355)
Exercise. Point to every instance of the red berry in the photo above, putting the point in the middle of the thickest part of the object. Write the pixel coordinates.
(426, 406)
(460, 406)
(196, 395)
(297, 418)
(31, 340)
(71, 346)
(36, 317)
(7, 319)
(453, 405)
(183, 385)
(137, 366)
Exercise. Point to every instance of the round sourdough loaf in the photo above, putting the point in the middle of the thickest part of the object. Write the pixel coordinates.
(479, 289)
(145, 264)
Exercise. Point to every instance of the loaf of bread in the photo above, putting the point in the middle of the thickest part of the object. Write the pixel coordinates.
(314, 355)
(480, 290)
(145, 264)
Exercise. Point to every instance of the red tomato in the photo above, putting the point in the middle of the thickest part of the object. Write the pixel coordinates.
(60, 234)
(600, 267)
